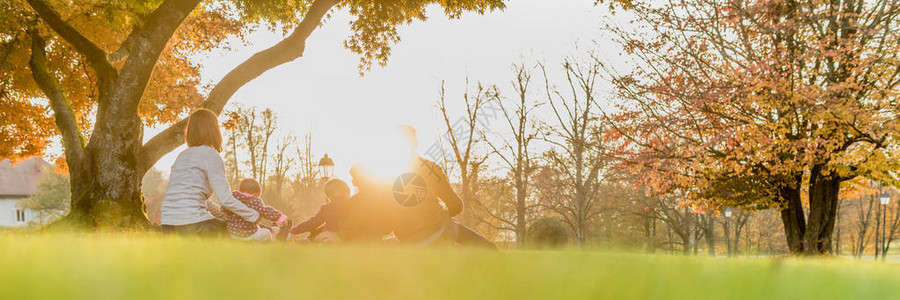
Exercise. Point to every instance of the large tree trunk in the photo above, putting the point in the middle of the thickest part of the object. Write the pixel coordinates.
(823, 196)
(106, 191)
(792, 216)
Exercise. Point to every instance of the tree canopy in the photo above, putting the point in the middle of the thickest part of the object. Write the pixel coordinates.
(175, 86)
(725, 92)
(735, 103)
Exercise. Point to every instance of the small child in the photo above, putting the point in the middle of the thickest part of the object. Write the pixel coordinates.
(328, 218)
(248, 231)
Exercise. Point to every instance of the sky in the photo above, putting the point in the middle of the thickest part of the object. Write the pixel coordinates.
(323, 92)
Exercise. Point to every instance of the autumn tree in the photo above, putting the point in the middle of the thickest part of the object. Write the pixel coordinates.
(107, 69)
(751, 103)
(172, 86)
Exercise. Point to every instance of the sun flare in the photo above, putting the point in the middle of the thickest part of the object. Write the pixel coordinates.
(385, 153)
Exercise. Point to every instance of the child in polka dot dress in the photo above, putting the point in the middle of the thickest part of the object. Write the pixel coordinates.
(249, 231)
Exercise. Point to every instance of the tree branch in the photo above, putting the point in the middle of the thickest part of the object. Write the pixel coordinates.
(157, 28)
(82, 44)
(285, 51)
(65, 117)
(144, 46)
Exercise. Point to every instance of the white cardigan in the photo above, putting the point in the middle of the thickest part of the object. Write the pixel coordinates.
(197, 173)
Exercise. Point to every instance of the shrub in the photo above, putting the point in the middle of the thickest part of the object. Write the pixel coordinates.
(547, 232)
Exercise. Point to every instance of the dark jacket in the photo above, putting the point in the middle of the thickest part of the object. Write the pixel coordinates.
(329, 215)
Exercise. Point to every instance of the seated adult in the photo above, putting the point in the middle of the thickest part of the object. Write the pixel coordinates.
(366, 218)
(197, 173)
(420, 201)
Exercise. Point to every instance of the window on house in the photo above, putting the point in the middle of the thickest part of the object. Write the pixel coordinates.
(20, 216)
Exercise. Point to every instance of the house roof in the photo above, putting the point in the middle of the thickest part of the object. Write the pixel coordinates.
(21, 179)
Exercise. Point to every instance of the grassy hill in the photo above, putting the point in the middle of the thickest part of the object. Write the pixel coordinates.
(143, 266)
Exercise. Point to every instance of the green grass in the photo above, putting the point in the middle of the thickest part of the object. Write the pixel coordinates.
(99, 266)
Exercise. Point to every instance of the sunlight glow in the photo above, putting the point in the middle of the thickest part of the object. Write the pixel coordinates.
(385, 153)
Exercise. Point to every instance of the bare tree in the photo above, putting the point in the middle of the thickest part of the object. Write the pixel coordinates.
(577, 138)
(864, 207)
(707, 222)
(493, 211)
(740, 221)
(308, 194)
(268, 127)
(465, 133)
(306, 159)
(682, 222)
(894, 224)
(282, 163)
(231, 149)
(514, 151)
(647, 213)
(255, 130)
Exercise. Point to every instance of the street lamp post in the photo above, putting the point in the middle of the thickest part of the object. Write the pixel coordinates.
(727, 233)
(885, 199)
(326, 167)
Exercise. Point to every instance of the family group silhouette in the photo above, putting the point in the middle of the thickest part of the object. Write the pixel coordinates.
(400, 197)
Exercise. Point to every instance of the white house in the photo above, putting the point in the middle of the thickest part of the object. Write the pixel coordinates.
(16, 182)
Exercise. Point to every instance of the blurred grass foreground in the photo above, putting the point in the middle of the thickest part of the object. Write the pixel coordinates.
(141, 266)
